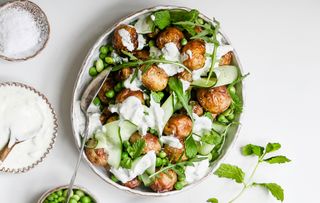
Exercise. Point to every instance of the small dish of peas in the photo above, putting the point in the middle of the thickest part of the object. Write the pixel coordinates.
(59, 194)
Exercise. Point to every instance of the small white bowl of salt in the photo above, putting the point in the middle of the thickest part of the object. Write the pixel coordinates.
(24, 30)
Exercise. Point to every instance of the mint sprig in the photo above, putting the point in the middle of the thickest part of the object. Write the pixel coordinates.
(236, 173)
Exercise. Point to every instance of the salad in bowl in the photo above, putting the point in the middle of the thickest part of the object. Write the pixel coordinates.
(162, 119)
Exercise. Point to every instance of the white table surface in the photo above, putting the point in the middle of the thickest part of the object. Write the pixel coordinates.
(277, 42)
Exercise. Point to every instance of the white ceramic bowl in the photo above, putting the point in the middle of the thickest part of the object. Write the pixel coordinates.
(83, 79)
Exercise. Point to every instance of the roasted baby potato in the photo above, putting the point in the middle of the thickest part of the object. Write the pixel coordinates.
(154, 78)
(151, 142)
(125, 38)
(125, 93)
(170, 34)
(194, 53)
(179, 125)
(164, 181)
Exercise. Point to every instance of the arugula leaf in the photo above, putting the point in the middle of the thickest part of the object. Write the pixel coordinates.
(130, 55)
(135, 74)
(231, 172)
(211, 138)
(271, 147)
(277, 160)
(162, 19)
(176, 86)
(181, 15)
(237, 104)
(274, 188)
(135, 150)
(251, 149)
(191, 147)
(213, 200)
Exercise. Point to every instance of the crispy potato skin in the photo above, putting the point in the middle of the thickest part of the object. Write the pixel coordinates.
(226, 59)
(170, 34)
(133, 183)
(196, 108)
(185, 75)
(154, 33)
(112, 118)
(215, 100)
(97, 156)
(151, 142)
(106, 113)
(175, 154)
(164, 182)
(178, 125)
(198, 50)
(125, 93)
(123, 73)
(107, 85)
(155, 78)
(117, 39)
(141, 54)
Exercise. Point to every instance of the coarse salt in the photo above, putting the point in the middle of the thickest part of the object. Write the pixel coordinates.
(19, 33)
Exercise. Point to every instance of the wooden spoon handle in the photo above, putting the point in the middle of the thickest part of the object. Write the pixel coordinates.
(5, 151)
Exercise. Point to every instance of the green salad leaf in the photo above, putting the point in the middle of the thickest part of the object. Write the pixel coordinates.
(211, 137)
(182, 15)
(135, 150)
(271, 147)
(213, 200)
(191, 147)
(275, 189)
(251, 149)
(277, 160)
(231, 172)
(162, 19)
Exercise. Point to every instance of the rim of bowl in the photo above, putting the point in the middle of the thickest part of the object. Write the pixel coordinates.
(101, 38)
(9, 3)
(55, 127)
(48, 192)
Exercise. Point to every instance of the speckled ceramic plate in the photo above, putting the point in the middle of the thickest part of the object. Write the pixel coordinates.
(52, 133)
(84, 78)
(41, 21)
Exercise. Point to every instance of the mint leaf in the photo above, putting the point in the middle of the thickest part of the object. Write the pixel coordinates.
(277, 160)
(274, 188)
(213, 200)
(191, 147)
(271, 147)
(211, 138)
(231, 172)
(162, 19)
(251, 149)
(136, 149)
(176, 86)
(181, 15)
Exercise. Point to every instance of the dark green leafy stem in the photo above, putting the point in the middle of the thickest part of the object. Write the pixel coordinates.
(135, 150)
(129, 55)
(191, 147)
(236, 104)
(179, 164)
(235, 173)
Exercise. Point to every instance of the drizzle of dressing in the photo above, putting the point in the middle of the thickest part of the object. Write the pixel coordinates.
(171, 53)
(141, 42)
(201, 125)
(135, 84)
(197, 171)
(126, 39)
(171, 141)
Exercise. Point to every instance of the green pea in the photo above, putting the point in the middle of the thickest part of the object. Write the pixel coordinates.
(165, 161)
(110, 94)
(99, 65)
(93, 71)
(65, 193)
(227, 112)
(162, 154)
(232, 90)
(103, 49)
(118, 87)
(96, 101)
(46, 201)
(109, 60)
(55, 195)
(79, 193)
(161, 94)
(110, 48)
(151, 43)
(85, 199)
(114, 178)
(50, 197)
(178, 185)
(222, 119)
(182, 178)
(60, 193)
(73, 201)
(102, 56)
(76, 197)
(184, 41)
(158, 162)
(230, 117)
(124, 155)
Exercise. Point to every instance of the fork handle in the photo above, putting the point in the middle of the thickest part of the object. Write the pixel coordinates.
(5, 151)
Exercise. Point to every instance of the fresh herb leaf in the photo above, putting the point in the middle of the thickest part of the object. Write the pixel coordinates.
(162, 19)
(231, 172)
(126, 163)
(275, 189)
(213, 200)
(251, 149)
(191, 147)
(237, 104)
(135, 75)
(208, 115)
(157, 96)
(271, 147)
(211, 138)
(181, 15)
(130, 55)
(135, 150)
(277, 160)
(176, 86)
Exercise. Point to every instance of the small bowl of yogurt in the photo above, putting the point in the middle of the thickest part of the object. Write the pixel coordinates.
(24, 30)
(28, 127)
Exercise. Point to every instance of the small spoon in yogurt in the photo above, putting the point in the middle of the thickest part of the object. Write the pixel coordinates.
(12, 142)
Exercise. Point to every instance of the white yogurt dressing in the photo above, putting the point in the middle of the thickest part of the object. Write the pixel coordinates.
(201, 125)
(154, 52)
(171, 141)
(185, 84)
(171, 53)
(135, 84)
(29, 118)
(143, 117)
(126, 39)
(146, 162)
(196, 172)
(141, 42)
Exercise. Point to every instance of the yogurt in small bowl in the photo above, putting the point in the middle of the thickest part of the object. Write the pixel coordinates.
(27, 116)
